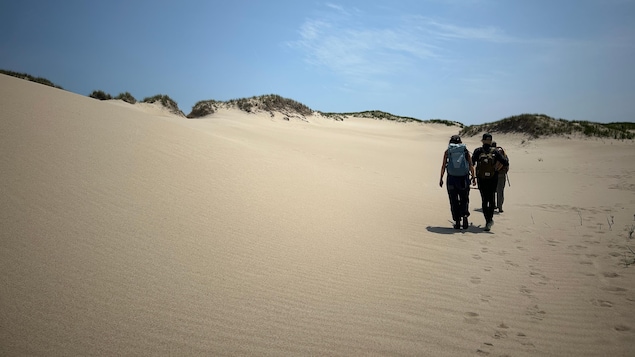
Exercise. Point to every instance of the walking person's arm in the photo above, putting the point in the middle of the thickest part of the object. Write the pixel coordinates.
(473, 159)
(443, 165)
(472, 172)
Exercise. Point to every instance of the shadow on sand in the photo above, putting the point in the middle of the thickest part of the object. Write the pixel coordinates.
(443, 230)
(450, 230)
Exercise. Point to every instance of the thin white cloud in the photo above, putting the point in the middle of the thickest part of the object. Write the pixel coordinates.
(343, 42)
(335, 7)
(443, 31)
(373, 53)
(354, 50)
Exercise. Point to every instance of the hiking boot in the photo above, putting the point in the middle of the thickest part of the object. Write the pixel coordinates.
(500, 210)
(457, 225)
(488, 226)
(465, 223)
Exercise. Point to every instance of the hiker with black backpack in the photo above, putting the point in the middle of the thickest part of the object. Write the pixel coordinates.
(458, 163)
(502, 178)
(486, 158)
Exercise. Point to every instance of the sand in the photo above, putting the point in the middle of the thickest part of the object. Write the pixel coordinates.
(126, 230)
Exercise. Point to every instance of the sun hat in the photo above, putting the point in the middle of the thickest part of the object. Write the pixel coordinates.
(455, 139)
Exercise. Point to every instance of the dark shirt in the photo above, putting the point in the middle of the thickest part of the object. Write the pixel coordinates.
(499, 157)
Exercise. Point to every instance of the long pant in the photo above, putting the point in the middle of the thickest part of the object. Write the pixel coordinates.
(487, 187)
(500, 191)
(459, 193)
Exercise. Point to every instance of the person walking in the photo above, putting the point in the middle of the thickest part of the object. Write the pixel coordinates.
(457, 162)
(485, 159)
(502, 178)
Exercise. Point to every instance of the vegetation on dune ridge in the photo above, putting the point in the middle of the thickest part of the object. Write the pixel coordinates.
(444, 122)
(126, 97)
(101, 95)
(372, 114)
(379, 115)
(166, 102)
(275, 103)
(205, 107)
(31, 78)
(162, 99)
(267, 103)
(539, 125)
(532, 125)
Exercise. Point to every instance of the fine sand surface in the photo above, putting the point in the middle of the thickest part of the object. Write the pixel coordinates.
(126, 230)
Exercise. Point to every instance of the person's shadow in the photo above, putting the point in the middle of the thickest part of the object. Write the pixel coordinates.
(452, 230)
(443, 230)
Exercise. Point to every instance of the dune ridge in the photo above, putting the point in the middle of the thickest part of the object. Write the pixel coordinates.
(127, 230)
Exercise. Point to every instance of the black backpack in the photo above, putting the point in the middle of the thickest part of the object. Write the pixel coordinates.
(486, 164)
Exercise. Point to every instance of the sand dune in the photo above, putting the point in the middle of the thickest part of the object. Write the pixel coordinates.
(129, 231)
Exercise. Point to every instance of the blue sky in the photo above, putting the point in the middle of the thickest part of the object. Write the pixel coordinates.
(474, 61)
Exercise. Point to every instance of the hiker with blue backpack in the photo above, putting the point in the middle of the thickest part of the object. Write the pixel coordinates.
(488, 162)
(458, 163)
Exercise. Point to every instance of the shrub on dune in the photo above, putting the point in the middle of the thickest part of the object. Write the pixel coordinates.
(126, 97)
(100, 94)
(166, 102)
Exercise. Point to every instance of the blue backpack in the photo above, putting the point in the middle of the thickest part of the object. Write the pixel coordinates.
(457, 164)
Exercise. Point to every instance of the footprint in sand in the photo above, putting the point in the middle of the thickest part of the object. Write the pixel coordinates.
(484, 250)
(601, 303)
(471, 317)
(476, 256)
(527, 292)
(540, 276)
(614, 289)
(498, 334)
(483, 350)
(480, 352)
(475, 280)
(509, 262)
(610, 275)
(622, 328)
(536, 313)
(523, 340)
